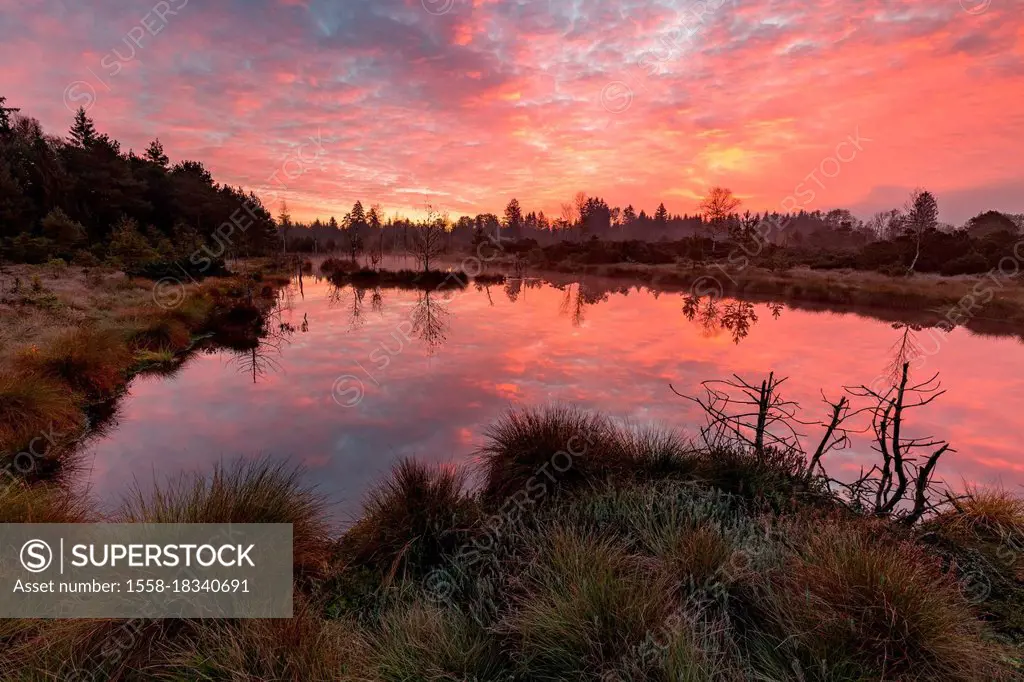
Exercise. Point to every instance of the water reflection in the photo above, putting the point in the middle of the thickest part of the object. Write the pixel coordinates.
(435, 370)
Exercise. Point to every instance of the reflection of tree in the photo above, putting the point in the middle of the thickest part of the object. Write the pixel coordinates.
(575, 300)
(262, 358)
(738, 317)
(487, 289)
(336, 298)
(430, 321)
(712, 315)
(512, 289)
(776, 309)
(904, 351)
(377, 301)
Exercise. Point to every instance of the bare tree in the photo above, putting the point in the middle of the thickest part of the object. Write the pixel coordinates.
(430, 321)
(902, 479)
(429, 241)
(716, 207)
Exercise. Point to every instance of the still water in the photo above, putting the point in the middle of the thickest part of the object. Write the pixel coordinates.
(352, 380)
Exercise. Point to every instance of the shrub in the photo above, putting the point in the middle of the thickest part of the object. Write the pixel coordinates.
(853, 599)
(549, 448)
(246, 492)
(91, 361)
(411, 521)
(966, 264)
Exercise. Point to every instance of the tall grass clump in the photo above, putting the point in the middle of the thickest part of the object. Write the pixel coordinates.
(585, 604)
(982, 513)
(431, 643)
(411, 521)
(304, 647)
(42, 503)
(550, 448)
(246, 492)
(853, 600)
(156, 331)
(35, 406)
(91, 361)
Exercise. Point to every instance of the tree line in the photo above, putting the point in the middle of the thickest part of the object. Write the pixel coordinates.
(80, 197)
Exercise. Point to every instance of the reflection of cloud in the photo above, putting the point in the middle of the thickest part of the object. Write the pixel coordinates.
(620, 361)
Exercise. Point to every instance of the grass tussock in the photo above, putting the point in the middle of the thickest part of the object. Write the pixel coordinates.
(853, 598)
(586, 604)
(33, 406)
(246, 492)
(156, 331)
(91, 361)
(42, 503)
(986, 513)
(429, 643)
(551, 448)
(412, 520)
(305, 647)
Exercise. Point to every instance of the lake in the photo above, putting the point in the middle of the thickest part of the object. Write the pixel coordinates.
(350, 381)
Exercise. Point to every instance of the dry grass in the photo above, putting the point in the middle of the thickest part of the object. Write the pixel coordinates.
(855, 598)
(246, 492)
(411, 520)
(305, 647)
(91, 361)
(585, 604)
(552, 447)
(42, 503)
(986, 513)
(33, 406)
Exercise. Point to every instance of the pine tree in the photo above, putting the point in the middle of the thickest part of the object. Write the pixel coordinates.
(628, 214)
(661, 215)
(83, 132)
(5, 116)
(357, 216)
(155, 154)
(514, 216)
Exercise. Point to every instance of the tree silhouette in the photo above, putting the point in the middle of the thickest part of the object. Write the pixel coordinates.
(514, 218)
(716, 207)
(155, 154)
(661, 215)
(428, 242)
(83, 130)
(922, 216)
(5, 116)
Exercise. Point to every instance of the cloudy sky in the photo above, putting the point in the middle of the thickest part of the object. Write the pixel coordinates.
(466, 103)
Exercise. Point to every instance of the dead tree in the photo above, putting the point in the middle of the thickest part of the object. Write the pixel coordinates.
(903, 485)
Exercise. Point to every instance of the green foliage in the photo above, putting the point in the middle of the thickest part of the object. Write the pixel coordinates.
(64, 232)
(129, 247)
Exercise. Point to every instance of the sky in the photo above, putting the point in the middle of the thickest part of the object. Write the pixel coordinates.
(464, 104)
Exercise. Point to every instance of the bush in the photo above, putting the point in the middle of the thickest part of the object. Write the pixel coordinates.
(247, 492)
(411, 521)
(967, 264)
